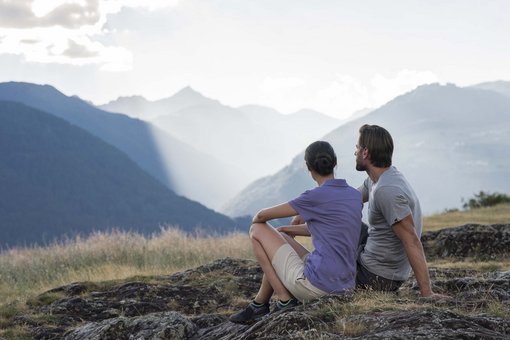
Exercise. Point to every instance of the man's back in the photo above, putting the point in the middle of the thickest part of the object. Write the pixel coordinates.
(390, 200)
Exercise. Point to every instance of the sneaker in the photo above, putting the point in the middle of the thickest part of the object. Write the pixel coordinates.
(250, 314)
(280, 306)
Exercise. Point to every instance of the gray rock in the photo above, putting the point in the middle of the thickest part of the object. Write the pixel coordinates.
(432, 325)
(470, 240)
(155, 326)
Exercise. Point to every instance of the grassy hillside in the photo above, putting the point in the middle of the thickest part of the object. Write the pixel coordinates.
(491, 215)
(27, 272)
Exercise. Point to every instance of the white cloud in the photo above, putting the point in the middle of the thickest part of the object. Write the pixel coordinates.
(64, 48)
(66, 31)
(385, 89)
(346, 94)
(342, 95)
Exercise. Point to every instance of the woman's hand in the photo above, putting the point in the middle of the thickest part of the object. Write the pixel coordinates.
(295, 230)
(286, 230)
(297, 220)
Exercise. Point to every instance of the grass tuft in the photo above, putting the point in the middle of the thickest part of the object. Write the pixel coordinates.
(497, 309)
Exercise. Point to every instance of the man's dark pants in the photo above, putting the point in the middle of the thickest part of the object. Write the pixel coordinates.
(367, 280)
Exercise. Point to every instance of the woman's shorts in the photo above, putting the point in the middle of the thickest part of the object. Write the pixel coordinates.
(290, 269)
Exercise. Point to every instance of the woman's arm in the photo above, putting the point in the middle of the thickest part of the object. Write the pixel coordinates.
(278, 211)
(295, 230)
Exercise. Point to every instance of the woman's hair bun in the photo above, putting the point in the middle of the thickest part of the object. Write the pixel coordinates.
(320, 157)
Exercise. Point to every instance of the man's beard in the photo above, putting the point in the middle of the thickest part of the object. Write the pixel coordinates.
(360, 167)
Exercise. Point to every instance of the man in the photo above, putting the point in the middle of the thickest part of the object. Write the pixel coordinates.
(391, 246)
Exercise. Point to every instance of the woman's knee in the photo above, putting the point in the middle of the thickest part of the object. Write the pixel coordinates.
(256, 229)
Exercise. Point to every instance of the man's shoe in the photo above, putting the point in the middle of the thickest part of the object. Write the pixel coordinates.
(281, 306)
(250, 314)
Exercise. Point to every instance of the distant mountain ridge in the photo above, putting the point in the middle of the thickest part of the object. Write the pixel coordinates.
(175, 164)
(500, 86)
(139, 107)
(244, 137)
(450, 142)
(57, 179)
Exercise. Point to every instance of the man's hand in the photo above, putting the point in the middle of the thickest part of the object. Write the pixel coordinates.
(440, 298)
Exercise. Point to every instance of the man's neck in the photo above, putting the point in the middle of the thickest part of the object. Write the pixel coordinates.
(374, 173)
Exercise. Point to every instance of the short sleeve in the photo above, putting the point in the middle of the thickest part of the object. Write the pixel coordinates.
(364, 189)
(393, 204)
(304, 205)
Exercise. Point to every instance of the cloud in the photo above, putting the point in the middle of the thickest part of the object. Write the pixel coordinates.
(341, 95)
(384, 89)
(66, 31)
(20, 14)
(346, 94)
(75, 50)
(29, 41)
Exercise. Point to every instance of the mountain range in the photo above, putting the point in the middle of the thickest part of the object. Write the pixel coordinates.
(450, 143)
(175, 164)
(57, 179)
(68, 167)
(244, 138)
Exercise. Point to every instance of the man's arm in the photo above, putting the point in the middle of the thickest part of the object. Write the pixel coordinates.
(406, 233)
(364, 191)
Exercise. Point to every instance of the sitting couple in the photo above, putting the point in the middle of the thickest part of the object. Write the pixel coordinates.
(346, 253)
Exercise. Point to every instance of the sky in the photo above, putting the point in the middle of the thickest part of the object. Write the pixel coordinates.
(332, 56)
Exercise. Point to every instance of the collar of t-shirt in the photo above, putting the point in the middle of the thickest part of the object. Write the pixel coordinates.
(336, 182)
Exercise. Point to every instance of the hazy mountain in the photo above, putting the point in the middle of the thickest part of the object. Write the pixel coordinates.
(58, 179)
(359, 114)
(450, 142)
(180, 167)
(499, 86)
(131, 106)
(241, 137)
(139, 107)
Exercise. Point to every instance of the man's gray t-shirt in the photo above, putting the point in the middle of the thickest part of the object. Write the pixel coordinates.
(390, 200)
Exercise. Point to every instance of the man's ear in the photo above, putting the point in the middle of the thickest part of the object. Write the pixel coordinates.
(365, 153)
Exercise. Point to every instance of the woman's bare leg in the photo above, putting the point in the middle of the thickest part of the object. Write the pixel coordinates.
(265, 291)
(266, 241)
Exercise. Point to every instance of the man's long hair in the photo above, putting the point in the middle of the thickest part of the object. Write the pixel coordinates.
(379, 144)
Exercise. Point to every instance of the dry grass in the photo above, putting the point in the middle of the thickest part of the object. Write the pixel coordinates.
(491, 215)
(502, 264)
(366, 302)
(26, 272)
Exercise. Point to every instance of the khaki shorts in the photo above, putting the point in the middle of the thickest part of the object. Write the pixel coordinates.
(290, 269)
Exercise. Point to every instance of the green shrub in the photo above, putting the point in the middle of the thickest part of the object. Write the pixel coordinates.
(485, 199)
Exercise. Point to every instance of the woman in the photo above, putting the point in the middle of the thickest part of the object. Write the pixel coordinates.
(331, 215)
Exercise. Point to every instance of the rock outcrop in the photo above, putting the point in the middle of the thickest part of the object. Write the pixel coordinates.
(470, 240)
(195, 304)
